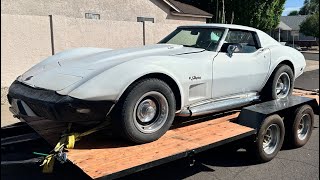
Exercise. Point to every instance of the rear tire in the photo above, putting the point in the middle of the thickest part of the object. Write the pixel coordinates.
(300, 129)
(280, 83)
(145, 112)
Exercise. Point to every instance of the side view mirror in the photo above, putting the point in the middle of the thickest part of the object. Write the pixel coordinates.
(231, 49)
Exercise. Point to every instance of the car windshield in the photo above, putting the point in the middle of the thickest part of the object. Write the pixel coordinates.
(204, 38)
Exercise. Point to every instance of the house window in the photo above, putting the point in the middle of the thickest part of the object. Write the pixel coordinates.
(92, 16)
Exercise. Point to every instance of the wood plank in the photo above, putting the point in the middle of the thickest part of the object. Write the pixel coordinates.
(312, 96)
(100, 143)
(118, 156)
(308, 94)
(172, 144)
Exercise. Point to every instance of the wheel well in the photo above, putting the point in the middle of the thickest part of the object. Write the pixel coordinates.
(284, 62)
(167, 79)
(289, 63)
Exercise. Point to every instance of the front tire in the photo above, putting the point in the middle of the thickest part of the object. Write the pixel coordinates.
(145, 112)
(280, 84)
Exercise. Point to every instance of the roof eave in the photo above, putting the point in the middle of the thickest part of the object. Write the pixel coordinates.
(191, 15)
(284, 26)
(172, 6)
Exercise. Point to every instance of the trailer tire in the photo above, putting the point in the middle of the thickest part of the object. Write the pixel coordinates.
(269, 139)
(300, 129)
(145, 112)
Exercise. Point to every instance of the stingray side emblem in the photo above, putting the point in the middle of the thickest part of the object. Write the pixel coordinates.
(195, 78)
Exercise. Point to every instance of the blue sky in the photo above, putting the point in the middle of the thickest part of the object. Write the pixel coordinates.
(292, 5)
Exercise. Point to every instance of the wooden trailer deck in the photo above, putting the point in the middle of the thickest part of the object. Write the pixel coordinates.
(100, 156)
(103, 157)
(113, 158)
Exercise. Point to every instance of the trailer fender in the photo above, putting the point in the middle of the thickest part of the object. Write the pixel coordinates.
(254, 115)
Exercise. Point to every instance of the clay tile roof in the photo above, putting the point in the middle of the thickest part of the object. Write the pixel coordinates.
(186, 9)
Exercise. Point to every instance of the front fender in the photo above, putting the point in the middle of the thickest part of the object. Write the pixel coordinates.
(112, 83)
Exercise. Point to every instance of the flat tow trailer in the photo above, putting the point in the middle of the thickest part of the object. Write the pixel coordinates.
(101, 157)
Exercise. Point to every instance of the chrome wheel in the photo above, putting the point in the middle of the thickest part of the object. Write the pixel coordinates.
(304, 126)
(150, 112)
(271, 139)
(283, 85)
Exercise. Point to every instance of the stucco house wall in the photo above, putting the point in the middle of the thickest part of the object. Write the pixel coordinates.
(116, 10)
(28, 35)
(78, 32)
(25, 40)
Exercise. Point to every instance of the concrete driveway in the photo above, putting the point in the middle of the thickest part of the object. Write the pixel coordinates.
(309, 80)
(311, 55)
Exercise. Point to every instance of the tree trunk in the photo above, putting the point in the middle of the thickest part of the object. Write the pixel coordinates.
(223, 13)
(217, 12)
(232, 17)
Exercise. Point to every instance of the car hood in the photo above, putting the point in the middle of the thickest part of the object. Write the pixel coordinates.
(60, 73)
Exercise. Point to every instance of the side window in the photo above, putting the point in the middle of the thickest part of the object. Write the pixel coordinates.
(246, 39)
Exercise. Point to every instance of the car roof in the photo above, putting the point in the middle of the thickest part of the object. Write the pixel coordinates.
(264, 38)
(217, 25)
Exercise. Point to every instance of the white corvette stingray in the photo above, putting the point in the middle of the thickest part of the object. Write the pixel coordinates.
(195, 70)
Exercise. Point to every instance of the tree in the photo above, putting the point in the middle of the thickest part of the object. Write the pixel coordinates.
(304, 10)
(309, 7)
(310, 26)
(293, 13)
(261, 14)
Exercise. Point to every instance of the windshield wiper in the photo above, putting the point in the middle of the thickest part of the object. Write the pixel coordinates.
(187, 45)
(193, 46)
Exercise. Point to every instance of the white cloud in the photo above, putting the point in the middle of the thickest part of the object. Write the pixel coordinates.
(289, 9)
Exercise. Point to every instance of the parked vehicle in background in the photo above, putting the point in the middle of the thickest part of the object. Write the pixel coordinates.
(297, 47)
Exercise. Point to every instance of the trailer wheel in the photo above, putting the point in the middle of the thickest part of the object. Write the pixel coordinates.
(299, 131)
(269, 139)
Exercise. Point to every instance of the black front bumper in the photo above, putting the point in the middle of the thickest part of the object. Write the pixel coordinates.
(50, 105)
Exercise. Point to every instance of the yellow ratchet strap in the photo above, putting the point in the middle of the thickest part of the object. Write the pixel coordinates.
(68, 141)
(48, 164)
